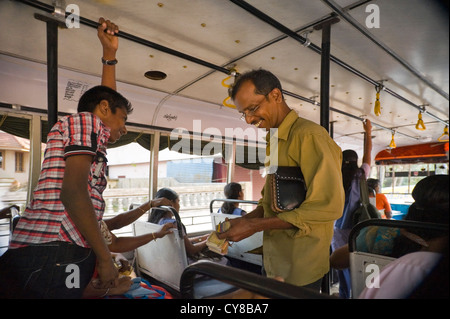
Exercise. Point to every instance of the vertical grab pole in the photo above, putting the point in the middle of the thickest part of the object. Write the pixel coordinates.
(52, 23)
(325, 78)
(325, 71)
(325, 101)
(52, 73)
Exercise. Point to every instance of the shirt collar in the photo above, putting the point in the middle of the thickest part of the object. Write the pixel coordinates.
(282, 132)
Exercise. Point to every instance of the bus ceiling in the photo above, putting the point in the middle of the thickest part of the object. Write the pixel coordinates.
(346, 91)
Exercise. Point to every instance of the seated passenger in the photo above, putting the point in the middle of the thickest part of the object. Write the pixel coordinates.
(386, 240)
(424, 249)
(373, 239)
(381, 200)
(232, 191)
(195, 246)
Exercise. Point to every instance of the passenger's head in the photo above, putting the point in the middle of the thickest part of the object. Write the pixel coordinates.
(350, 158)
(263, 80)
(92, 97)
(349, 167)
(233, 190)
(171, 195)
(110, 106)
(431, 200)
(431, 205)
(374, 184)
(258, 96)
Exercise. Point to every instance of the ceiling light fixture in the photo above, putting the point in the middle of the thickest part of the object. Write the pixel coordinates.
(155, 75)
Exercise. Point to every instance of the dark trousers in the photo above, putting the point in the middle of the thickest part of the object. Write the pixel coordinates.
(52, 270)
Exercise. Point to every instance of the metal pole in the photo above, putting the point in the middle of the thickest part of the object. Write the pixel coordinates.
(325, 71)
(52, 73)
(325, 78)
(52, 23)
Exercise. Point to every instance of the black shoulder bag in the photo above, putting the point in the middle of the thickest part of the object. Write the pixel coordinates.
(366, 210)
(288, 188)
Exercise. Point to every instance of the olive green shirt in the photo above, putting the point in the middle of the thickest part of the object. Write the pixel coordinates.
(301, 255)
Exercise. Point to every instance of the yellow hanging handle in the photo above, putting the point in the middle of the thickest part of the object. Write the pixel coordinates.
(224, 80)
(225, 101)
(392, 144)
(420, 125)
(444, 136)
(377, 109)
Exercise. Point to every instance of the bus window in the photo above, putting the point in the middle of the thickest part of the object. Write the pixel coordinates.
(387, 177)
(128, 181)
(401, 177)
(441, 168)
(197, 179)
(15, 157)
(418, 172)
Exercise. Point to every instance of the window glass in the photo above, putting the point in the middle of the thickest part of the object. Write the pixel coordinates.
(14, 176)
(128, 181)
(197, 179)
(442, 168)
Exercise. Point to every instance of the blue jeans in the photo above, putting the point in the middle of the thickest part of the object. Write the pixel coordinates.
(51, 270)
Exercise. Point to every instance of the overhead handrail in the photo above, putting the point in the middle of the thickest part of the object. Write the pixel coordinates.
(258, 284)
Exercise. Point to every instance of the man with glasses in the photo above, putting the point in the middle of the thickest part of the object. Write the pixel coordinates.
(296, 243)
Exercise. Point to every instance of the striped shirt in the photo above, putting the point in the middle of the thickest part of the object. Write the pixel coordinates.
(45, 218)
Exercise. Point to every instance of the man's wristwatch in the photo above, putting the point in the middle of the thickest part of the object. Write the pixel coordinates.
(109, 62)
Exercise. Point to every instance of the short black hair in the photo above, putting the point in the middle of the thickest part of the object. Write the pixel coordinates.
(168, 193)
(373, 182)
(264, 81)
(92, 97)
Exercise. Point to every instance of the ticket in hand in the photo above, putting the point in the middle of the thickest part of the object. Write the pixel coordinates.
(217, 245)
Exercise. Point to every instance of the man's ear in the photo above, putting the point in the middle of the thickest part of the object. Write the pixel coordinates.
(103, 107)
(276, 95)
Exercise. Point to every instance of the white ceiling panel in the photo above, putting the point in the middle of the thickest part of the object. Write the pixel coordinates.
(223, 34)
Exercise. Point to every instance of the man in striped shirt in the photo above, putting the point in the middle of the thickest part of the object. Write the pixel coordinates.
(58, 235)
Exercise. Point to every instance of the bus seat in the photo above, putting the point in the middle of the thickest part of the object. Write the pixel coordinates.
(361, 266)
(164, 259)
(240, 250)
(366, 263)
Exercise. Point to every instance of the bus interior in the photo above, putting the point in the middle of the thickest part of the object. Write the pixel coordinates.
(340, 62)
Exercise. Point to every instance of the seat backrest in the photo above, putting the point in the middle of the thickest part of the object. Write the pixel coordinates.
(164, 259)
(239, 250)
(363, 268)
(371, 244)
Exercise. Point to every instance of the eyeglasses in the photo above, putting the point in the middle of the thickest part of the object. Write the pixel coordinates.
(252, 111)
(249, 112)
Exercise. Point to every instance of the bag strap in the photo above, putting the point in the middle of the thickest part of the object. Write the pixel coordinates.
(364, 192)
